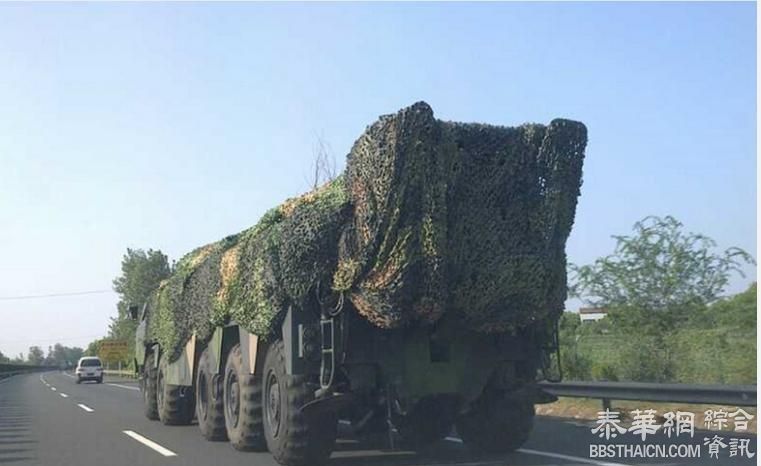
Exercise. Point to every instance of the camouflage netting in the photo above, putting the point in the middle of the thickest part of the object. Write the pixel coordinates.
(430, 217)
(251, 276)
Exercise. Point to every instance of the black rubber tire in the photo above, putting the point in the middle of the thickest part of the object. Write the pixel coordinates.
(496, 424)
(210, 409)
(430, 420)
(174, 402)
(242, 400)
(100, 380)
(293, 438)
(79, 381)
(148, 387)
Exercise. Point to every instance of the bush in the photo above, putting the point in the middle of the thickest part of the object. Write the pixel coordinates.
(715, 345)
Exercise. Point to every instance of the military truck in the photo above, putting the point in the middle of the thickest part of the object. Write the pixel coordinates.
(418, 291)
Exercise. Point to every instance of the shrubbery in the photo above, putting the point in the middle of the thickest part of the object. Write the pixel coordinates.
(713, 344)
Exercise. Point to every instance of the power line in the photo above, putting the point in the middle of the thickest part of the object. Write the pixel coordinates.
(43, 341)
(54, 295)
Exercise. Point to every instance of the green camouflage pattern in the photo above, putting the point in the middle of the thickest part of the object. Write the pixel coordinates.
(429, 217)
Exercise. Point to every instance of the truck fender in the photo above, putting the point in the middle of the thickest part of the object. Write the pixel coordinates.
(252, 350)
(180, 372)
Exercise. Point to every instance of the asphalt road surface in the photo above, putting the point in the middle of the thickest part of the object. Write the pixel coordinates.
(47, 419)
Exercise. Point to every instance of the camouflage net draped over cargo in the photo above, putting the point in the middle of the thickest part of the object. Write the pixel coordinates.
(467, 219)
(250, 277)
(430, 217)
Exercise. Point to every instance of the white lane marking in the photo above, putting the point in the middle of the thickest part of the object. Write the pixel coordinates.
(86, 408)
(568, 457)
(53, 388)
(63, 395)
(527, 451)
(150, 443)
(124, 386)
(69, 375)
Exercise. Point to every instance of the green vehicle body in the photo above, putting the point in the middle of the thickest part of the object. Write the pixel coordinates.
(415, 362)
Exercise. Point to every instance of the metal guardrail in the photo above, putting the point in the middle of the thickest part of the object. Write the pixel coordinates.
(730, 395)
(122, 373)
(8, 370)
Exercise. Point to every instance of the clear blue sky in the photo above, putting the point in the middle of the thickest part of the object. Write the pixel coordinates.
(171, 125)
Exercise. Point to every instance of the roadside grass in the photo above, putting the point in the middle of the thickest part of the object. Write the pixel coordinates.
(588, 409)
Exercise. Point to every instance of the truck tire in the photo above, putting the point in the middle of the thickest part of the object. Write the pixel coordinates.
(429, 421)
(148, 387)
(174, 402)
(210, 409)
(497, 424)
(242, 399)
(293, 438)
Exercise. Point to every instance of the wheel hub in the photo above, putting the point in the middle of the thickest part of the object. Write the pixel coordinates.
(203, 395)
(160, 390)
(233, 398)
(273, 404)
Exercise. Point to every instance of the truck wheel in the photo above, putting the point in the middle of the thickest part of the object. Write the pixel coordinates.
(293, 438)
(242, 400)
(429, 421)
(148, 387)
(497, 425)
(174, 402)
(210, 409)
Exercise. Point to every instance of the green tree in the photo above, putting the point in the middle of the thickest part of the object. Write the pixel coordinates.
(738, 311)
(93, 348)
(36, 356)
(60, 355)
(667, 320)
(658, 268)
(142, 271)
(4, 359)
(72, 355)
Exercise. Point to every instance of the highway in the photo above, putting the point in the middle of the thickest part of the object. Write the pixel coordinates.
(47, 419)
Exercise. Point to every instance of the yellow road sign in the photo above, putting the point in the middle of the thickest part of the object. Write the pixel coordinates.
(113, 350)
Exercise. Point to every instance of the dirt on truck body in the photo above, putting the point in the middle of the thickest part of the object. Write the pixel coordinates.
(420, 290)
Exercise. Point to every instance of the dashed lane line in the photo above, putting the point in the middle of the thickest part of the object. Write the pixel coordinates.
(150, 443)
(85, 407)
(53, 388)
(63, 395)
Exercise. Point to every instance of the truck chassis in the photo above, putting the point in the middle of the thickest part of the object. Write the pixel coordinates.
(285, 393)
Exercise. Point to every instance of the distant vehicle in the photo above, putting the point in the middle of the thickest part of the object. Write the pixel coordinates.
(89, 368)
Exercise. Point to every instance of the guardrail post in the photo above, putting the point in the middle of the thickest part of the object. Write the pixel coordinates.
(606, 404)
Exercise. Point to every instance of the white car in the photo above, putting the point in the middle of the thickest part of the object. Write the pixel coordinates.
(89, 368)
